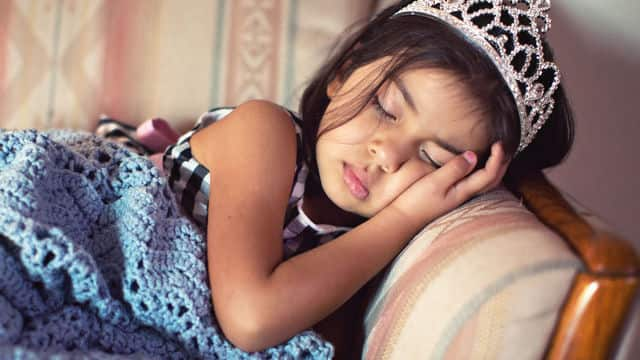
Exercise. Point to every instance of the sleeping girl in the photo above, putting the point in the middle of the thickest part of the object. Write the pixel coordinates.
(425, 107)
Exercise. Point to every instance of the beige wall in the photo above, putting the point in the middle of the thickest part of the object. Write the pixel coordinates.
(601, 72)
(597, 45)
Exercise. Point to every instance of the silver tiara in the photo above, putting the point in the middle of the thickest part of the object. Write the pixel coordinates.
(511, 33)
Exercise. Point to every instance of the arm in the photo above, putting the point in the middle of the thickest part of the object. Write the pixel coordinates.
(305, 289)
(259, 300)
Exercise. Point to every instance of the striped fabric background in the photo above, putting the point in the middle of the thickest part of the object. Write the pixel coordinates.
(63, 62)
(447, 297)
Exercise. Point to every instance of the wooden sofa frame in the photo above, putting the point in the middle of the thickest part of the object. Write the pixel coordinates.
(598, 304)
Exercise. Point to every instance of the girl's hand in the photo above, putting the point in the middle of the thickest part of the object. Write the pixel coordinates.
(448, 187)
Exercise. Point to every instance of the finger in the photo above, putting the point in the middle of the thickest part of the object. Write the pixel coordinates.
(487, 177)
(502, 170)
(454, 170)
(496, 182)
(496, 159)
(496, 167)
(503, 166)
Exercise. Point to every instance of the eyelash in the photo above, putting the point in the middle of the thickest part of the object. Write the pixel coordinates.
(388, 117)
(381, 111)
(429, 159)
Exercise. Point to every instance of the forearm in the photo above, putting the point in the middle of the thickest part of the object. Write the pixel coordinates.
(308, 287)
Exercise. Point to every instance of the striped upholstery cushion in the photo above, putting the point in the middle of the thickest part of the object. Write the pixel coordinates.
(484, 281)
(62, 63)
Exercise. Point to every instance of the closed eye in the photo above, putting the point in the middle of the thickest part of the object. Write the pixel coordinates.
(381, 111)
(425, 156)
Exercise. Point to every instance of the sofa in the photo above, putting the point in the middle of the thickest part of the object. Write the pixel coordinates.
(518, 273)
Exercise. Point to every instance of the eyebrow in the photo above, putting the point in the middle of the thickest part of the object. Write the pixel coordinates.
(409, 100)
(405, 94)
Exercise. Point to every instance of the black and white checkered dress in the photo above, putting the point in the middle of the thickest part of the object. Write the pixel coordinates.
(190, 181)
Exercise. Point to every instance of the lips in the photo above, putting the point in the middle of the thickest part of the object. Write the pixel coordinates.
(355, 180)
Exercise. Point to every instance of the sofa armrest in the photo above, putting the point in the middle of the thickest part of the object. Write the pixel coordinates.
(486, 280)
(594, 316)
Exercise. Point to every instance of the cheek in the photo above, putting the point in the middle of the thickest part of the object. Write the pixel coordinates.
(347, 131)
(321, 153)
(329, 157)
(400, 181)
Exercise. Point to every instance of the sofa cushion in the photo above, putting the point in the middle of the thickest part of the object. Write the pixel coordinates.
(484, 281)
(63, 63)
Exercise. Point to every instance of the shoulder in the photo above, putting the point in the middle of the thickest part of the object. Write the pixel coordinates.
(256, 125)
(257, 118)
(264, 116)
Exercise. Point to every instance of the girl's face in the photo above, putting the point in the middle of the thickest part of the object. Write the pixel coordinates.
(414, 125)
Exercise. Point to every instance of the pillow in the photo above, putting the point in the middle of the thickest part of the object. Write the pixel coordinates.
(484, 281)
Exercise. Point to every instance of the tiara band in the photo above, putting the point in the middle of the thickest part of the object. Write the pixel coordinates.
(511, 33)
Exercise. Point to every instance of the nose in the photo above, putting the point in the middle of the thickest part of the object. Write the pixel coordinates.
(388, 155)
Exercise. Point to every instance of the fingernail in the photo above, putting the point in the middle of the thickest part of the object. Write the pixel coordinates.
(470, 157)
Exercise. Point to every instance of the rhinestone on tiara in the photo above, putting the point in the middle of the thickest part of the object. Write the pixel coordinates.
(511, 33)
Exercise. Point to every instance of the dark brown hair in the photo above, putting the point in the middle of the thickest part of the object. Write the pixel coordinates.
(414, 41)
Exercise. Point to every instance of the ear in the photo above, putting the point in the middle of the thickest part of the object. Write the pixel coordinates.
(334, 86)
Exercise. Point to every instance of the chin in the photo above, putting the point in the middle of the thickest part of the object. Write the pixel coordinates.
(341, 197)
(367, 213)
(349, 203)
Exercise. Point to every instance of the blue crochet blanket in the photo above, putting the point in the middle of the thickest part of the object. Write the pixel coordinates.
(96, 259)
